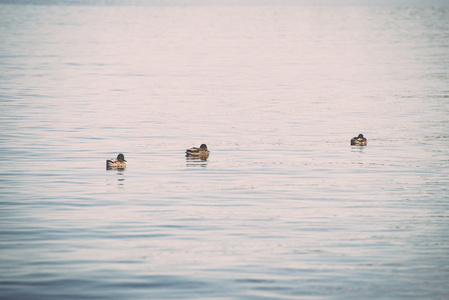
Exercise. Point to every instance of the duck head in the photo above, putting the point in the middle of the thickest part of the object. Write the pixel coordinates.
(121, 157)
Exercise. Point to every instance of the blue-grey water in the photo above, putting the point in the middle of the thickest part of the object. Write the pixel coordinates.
(284, 208)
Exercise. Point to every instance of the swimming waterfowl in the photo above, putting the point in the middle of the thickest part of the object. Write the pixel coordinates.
(118, 163)
(200, 152)
(358, 141)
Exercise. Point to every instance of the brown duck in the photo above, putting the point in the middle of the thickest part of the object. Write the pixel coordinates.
(200, 152)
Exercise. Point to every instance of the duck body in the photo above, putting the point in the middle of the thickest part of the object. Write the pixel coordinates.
(200, 152)
(359, 141)
(116, 164)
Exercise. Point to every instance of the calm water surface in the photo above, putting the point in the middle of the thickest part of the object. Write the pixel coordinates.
(283, 208)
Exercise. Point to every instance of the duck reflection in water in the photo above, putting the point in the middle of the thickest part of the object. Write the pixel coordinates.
(359, 141)
(116, 180)
(116, 164)
(196, 162)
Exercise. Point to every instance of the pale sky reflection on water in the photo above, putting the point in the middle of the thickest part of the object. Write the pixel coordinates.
(284, 207)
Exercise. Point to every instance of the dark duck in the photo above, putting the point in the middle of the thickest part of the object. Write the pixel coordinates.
(358, 141)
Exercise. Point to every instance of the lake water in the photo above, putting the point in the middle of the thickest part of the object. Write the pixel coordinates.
(284, 208)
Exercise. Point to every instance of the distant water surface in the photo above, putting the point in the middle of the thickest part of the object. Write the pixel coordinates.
(284, 208)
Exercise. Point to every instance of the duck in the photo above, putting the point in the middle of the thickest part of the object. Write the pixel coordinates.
(200, 152)
(116, 164)
(358, 141)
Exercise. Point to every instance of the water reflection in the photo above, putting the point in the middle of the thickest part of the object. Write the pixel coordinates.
(357, 148)
(283, 211)
(196, 162)
(119, 181)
